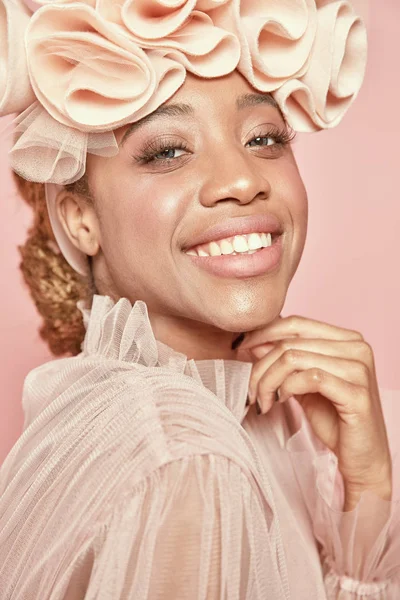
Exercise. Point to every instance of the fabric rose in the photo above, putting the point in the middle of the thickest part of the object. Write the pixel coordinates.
(320, 98)
(186, 29)
(86, 72)
(109, 9)
(16, 93)
(63, 149)
(276, 38)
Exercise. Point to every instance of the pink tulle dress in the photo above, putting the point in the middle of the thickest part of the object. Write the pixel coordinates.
(141, 475)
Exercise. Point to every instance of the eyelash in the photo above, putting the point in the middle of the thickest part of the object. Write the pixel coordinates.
(283, 137)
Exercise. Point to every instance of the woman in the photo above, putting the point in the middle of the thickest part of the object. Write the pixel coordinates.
(156, 462)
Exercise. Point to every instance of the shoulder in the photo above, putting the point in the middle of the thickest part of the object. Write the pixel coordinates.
(112, 439)
(114, 422)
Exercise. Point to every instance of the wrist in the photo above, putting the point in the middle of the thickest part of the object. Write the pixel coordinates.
(353, 493)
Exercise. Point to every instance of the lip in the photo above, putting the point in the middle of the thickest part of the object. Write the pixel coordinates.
(267, 223)
(242, 266)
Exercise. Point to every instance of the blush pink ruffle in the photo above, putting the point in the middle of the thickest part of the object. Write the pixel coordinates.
(320, 98)
(275, 39)
(15, 88)
(93, 65)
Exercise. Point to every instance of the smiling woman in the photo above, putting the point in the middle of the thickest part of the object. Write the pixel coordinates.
(184, 179)
(170, 220)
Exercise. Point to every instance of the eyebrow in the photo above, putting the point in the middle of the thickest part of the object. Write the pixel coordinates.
(184, 110)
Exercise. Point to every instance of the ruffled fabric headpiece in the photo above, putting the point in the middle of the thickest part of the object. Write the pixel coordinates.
(75, 71)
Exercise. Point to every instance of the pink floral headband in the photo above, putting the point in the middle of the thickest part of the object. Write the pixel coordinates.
(75, 71)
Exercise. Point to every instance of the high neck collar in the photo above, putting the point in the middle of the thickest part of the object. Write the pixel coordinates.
(120, 331)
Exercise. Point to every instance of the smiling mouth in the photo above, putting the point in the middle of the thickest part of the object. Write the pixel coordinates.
(241, 244)
(243, 265)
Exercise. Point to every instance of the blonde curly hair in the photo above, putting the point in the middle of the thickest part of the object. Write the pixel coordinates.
(54, 286)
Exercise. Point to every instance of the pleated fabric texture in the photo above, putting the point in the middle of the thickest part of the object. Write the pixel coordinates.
(141, 474)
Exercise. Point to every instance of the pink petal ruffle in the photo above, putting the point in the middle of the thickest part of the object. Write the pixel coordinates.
(82, 68)
(320, 98)
(202, 47)
(275, 37)
(15, 88)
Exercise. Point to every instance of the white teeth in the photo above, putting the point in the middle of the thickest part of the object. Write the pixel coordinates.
(241, 244)
(254, 241)
(215, 250)
(266, 239)
(226, 247)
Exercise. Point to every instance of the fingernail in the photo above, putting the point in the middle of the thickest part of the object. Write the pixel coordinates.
(238, 341)
(277, 395)
(258, 407)
(248, 400)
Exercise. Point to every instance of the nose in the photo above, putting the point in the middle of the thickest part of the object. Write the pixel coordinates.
(233, 175)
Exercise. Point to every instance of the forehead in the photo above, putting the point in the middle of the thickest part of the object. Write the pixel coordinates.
(215, 90)
(229, 93)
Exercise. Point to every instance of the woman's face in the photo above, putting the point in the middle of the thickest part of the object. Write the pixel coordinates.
(176, 175)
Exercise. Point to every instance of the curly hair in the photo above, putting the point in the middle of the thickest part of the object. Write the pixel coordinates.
(54, 286)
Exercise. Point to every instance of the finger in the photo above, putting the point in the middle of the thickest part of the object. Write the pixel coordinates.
(290, 352)
(260, 351)
(263, 386)
(348, 398)
(295, 327)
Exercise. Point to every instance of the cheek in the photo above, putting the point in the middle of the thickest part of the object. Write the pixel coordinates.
(290, 187)
(143, 218)
(294, 197)
(299, 207)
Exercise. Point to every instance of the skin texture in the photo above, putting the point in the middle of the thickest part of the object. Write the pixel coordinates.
(142, 217)
(145, 214)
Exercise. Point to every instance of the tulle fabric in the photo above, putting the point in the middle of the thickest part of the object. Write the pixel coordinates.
(36, 149)
(142, 474)
(359, 549)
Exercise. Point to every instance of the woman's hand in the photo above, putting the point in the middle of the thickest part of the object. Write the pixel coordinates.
(331, 373)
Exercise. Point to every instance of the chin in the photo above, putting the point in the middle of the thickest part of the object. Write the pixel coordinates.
(238, 321)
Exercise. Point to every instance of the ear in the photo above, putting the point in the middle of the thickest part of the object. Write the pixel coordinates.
(79, 221)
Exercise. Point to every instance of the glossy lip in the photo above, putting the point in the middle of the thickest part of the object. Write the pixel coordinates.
(242, 266)
(267, 223)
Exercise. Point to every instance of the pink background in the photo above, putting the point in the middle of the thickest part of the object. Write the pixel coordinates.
(349, 274)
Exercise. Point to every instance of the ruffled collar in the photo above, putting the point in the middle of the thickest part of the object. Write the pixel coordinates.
(120, 331)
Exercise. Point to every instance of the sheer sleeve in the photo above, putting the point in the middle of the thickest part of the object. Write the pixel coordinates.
(194, 528)
(359, 549)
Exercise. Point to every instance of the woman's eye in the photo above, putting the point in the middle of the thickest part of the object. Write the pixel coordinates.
(263, 140)
(167, 153)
